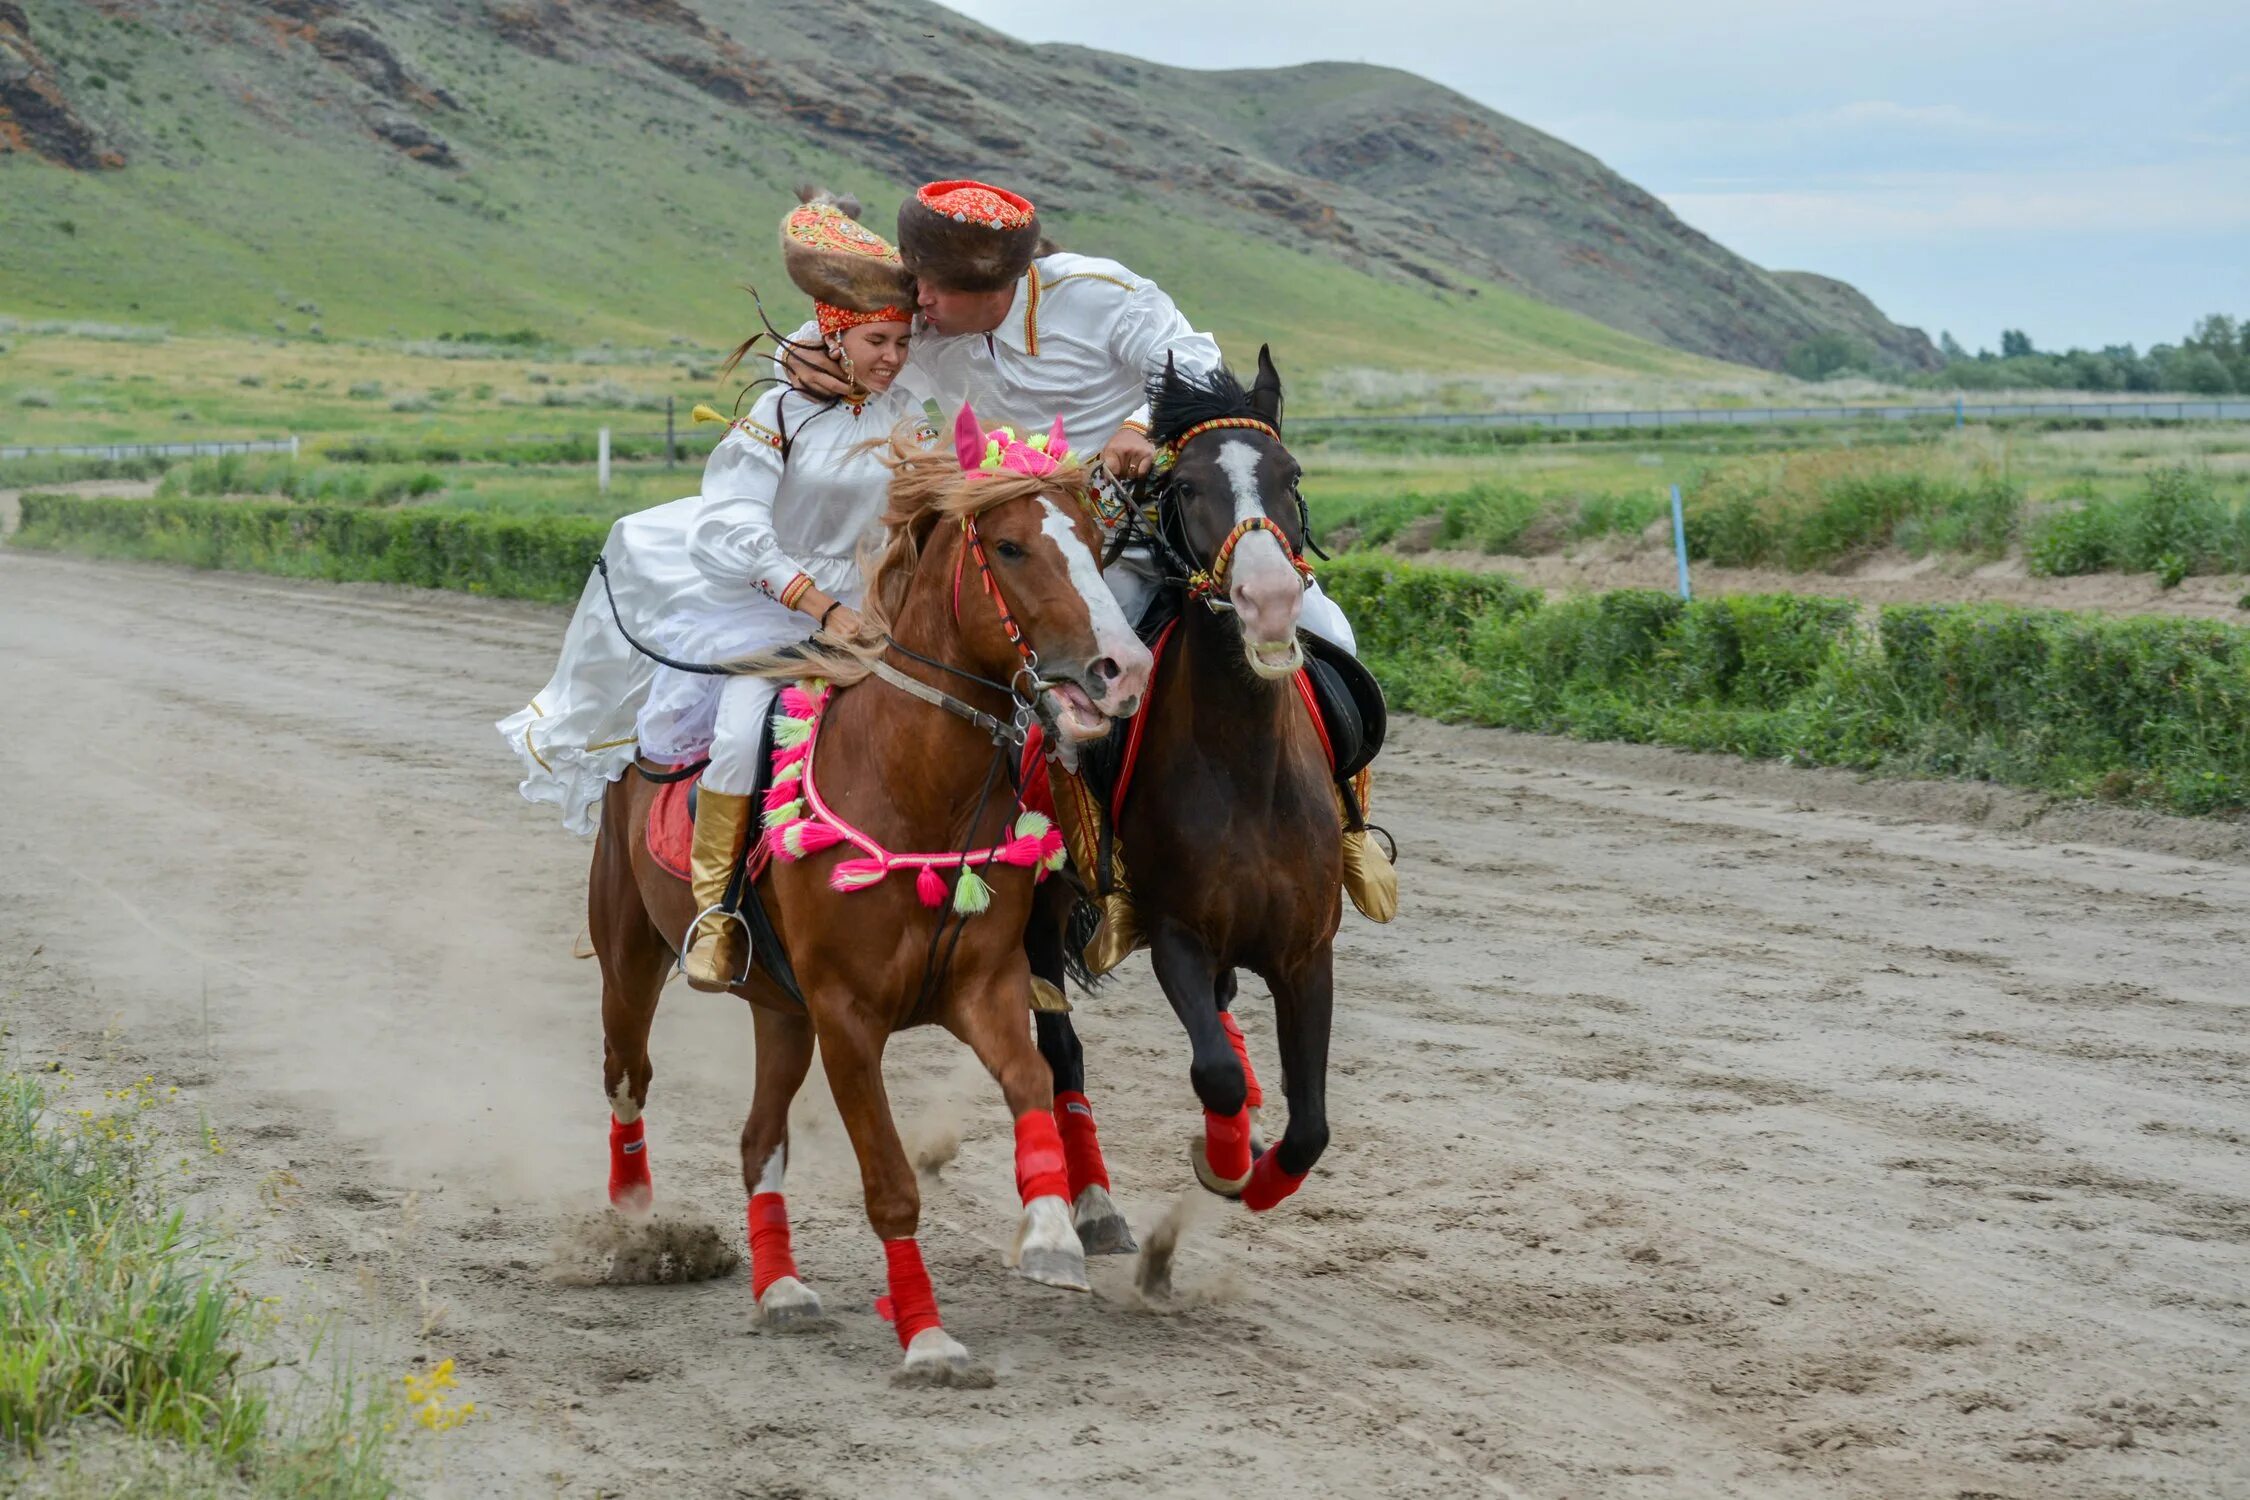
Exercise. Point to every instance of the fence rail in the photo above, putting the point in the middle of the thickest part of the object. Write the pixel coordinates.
(286, 445)
(1756, 416)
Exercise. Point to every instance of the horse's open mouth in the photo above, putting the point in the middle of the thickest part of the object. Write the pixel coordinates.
(1275, 658)
(1074, 714)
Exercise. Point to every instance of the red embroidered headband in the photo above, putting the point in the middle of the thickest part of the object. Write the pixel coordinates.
(834, 319)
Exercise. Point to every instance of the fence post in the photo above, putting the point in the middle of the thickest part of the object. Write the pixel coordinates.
(292, 447)
(601, 460)
(1679, 540)
(671, 452)
(1960, 416)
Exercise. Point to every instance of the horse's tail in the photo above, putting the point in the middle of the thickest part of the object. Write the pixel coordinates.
(1078, 931)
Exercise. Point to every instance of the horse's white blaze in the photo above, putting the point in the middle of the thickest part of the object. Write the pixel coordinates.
(1113, 633)
(770, 1175)
(1260, 583)
(621, 1103)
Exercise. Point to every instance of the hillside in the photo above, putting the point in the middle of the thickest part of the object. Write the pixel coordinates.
(609, 168)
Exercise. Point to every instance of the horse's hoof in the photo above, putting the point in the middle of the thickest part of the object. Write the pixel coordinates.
(633, 1200)
(1047, 1249)
(1102, 1230)
(789, 1306)
(1212, 1181)
(936, 1358)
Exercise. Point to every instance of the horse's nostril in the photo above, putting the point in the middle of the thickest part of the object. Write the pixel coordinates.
(1108, 670)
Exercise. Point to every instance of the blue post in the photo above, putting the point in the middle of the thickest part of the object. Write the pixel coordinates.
(1958, 420)
(1679, 540)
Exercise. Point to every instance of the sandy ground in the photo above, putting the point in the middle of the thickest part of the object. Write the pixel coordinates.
(1701, 1129)
(1885, 578)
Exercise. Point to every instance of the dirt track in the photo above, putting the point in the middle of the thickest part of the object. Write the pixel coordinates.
(1700, 1129)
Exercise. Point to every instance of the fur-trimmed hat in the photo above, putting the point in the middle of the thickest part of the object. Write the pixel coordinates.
(839, 262)
(967, 236)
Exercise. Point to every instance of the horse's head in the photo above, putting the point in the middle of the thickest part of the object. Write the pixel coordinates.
(1229, 501)
(1013, 522)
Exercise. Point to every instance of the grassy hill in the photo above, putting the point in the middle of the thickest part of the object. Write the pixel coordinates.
(612, 169)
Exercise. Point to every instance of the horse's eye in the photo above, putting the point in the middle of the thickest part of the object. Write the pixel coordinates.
(1009, 550)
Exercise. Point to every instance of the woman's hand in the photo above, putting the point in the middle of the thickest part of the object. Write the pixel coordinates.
(816, 372)
(843, 623)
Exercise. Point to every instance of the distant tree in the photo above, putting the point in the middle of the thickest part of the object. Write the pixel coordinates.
(2203, 372)
(1825, 355)
(2015, 344)
(1950, 347)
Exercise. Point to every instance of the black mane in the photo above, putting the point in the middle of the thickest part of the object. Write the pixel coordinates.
(1178, 402)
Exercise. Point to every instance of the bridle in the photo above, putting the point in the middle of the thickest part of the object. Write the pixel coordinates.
(1168, 538)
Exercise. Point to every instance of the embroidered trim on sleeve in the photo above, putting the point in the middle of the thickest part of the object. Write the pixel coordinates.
(794, 590)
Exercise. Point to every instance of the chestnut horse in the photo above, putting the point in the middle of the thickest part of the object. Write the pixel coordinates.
(990, 588)
(1230, 839)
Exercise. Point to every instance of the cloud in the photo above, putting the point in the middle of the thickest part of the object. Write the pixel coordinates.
(2192, 197)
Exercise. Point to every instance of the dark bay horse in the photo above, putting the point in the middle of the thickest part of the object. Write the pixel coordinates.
(989, 589)
(1230, 837)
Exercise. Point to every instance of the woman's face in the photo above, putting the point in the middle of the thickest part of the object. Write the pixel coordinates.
(876, 350)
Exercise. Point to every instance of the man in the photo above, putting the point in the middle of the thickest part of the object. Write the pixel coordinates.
(1043, 336)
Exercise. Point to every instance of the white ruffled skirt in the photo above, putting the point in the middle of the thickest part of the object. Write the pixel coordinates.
(607, 701)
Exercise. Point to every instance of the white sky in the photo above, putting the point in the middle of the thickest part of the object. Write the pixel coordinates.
(2076, 168)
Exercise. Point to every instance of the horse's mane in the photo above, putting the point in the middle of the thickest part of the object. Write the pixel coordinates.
(927, 487)
(1178, 402)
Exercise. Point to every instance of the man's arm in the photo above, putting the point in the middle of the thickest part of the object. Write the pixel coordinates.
(804, 363)
(1150, 330)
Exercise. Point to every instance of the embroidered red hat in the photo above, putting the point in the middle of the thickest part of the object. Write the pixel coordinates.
(967, 236)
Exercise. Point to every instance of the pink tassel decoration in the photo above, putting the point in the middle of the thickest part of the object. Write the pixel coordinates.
(792, 755)
(799, 704)
(857, 874)
(782, 795)
(930, 888)
(811, 838)
(1028, 850)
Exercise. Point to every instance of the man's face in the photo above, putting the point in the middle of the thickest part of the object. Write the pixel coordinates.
(949, 311)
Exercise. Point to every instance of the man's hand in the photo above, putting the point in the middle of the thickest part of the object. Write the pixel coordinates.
(813, 371)
(1129, 455)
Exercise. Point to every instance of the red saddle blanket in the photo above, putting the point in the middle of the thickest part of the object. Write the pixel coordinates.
(671, 819)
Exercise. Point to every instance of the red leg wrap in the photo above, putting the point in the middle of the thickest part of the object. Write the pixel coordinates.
(1082, 1145)
(1269, 1184)
(770, 1259)
(628, 1162)
(1226, 1143)
(1039, 1157)
(1256, 1098)
(911, 1304)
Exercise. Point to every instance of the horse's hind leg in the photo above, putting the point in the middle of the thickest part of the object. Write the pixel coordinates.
(633, 958)
(1047, 1247)
(1101, 1228)
(852, 1055)
(785, 1053)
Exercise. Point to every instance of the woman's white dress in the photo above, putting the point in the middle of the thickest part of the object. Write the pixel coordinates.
(792, 489)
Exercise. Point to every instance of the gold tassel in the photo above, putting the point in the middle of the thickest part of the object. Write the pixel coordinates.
(703, 413)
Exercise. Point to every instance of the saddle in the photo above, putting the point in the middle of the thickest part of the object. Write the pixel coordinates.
(670, 833)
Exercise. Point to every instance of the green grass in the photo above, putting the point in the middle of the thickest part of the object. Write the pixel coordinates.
(131, 1359)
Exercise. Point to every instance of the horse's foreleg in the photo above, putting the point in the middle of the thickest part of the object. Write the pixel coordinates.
(1046, 1248)
(1303, 1005)
(633, 958)
(1101, 1228)
(785, 1053)
(1184, 967)
(852, 1055)
(1225, 989)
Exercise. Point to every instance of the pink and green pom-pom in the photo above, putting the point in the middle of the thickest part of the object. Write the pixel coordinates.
(971, 894)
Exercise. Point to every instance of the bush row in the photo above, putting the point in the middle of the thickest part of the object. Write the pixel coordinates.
(2151, 710)
(519, 557)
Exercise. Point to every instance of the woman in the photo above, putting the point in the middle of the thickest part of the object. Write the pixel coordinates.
(764, 557)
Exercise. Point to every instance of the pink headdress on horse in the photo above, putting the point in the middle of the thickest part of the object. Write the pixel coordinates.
(1000, 452)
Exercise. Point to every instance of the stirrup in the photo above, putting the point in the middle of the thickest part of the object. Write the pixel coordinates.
(749, 941)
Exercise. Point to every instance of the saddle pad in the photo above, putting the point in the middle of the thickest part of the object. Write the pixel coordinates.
(671, 825)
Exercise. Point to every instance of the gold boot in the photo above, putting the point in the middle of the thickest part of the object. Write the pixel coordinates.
(717, 943)
(1120, 932)
(1368, 877)
(1119, 935)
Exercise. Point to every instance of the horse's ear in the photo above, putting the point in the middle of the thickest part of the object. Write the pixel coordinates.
(968, 439)
(1265, 394)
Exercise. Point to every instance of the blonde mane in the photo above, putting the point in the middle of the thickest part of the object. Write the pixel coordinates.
(927, 487)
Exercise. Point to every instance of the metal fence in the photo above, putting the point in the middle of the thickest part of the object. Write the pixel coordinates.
(1757, 416)
(286, 445)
